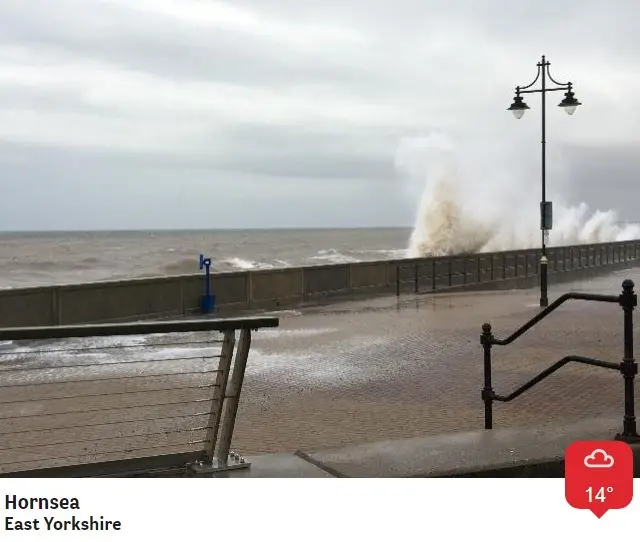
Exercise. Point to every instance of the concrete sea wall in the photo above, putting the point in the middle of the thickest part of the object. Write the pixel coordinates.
(169, 296)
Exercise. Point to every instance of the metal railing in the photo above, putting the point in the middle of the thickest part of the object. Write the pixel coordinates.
(115, 399)
(628, 367)
(424, 275)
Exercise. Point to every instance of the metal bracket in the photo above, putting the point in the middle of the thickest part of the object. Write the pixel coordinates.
(233, 462)
(629, 439)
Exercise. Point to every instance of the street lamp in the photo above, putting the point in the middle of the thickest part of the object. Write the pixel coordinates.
(518, 108)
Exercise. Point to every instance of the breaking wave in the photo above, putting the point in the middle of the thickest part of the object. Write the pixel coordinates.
(482, 209)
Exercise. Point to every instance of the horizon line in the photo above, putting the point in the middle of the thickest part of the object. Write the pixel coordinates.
(279, 228)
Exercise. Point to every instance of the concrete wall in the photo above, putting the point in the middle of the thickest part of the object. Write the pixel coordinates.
(179, 295)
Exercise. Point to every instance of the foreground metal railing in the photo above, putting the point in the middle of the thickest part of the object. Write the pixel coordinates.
(628, 300)
(108, 399)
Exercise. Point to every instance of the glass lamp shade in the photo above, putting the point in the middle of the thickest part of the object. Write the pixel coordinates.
(518, 107)
(569, 103)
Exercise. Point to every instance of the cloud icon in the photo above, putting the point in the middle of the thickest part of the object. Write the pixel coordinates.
(599, 459)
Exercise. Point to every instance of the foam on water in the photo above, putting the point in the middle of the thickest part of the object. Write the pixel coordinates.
(65, 347)
(245, 264)
(106, 357)
(332, 255)
(98, 256)
(320, 366)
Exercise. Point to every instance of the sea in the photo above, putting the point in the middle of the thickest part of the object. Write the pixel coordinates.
(47, 258)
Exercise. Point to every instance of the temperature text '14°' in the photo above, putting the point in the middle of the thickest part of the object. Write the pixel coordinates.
(598, 495)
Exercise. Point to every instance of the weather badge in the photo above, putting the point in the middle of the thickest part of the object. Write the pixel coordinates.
(599, 475)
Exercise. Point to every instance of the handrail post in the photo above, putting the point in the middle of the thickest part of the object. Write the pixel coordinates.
(232, 396)
(416, 278)
(433, 274)
(629, 368)
(486, 339)
(226, 356)
(397, 280)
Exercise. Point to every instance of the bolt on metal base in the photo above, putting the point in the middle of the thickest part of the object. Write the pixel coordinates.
(234, 461)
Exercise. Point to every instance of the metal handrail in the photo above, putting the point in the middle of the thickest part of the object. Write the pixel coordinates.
(548, 372)
(217, 406)
(135, 328)
(628, 367)
(553, 306)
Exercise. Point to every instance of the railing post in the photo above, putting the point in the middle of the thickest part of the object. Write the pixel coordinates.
(232, 396)
(226, 355)
(486, 339)
(416, 278)
(398, 280)
(629, 368)
(433, 274)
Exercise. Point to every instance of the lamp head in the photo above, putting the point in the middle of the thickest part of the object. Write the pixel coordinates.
(569, 103)
(518, 107)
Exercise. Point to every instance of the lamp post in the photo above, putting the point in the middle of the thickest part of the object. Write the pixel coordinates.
(518, 107)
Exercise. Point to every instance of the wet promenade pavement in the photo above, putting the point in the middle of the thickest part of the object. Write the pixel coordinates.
(363, 371)
(343, 374)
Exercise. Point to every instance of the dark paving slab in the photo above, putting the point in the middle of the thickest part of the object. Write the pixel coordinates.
(463, 453)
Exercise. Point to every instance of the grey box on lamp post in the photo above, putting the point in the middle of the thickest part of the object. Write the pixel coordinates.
(518, 107)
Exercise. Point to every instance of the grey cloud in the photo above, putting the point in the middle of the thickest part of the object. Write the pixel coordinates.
(169, 48)
(291, 153)
(52, 99)
(225, 57)
(443, 59)
(516, 21)
(605, 178)
(256, 150)
(59, 189)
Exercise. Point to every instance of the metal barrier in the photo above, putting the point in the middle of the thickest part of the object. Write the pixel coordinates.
(425, 275)
(628, 300)
(121, 399)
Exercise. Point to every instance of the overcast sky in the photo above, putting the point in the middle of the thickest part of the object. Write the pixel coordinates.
(122, 114)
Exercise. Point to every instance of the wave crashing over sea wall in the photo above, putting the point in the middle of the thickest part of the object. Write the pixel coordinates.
(469, 207)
